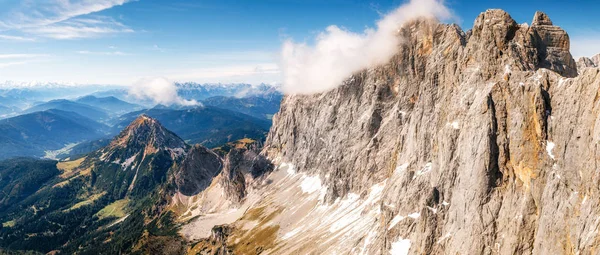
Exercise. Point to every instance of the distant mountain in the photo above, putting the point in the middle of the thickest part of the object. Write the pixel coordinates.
(10, 101)
(66, 105)
(264, 106)
(196, 91)
(6, 111)
(23, 95)
(199, 92)
(110, 104)
(99, 204)
(35, 133)
(209, 126)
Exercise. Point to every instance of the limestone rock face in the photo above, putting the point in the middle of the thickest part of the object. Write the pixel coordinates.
(477, 142)
(241, 166)
(585, 62)
(485, 142)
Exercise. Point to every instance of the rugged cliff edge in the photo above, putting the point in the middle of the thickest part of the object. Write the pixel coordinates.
(477, 142)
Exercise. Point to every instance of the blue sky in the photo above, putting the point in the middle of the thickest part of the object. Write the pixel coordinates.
(121, 41)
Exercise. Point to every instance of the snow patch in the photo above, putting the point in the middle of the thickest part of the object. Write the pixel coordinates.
(128, 162)
(291, 233)
(425, 170)
(444, 203)
(401, 168)
(454, 125)
(507, 69)
(446, 236)
(414, 215)
(395, 221)
(311, 184)
(549, 147)
(400, 247)
(433, 210)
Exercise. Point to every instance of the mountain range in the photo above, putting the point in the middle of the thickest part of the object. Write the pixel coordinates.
(465, 142)
(36, 133)
(110, 104)
(91, 112)
(209, 126)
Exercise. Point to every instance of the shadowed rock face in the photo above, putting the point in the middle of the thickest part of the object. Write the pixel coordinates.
(198, 169)
(242, 165)
(489, 137)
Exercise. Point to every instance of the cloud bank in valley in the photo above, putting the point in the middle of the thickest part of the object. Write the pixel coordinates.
(338, 53)
(160, 91)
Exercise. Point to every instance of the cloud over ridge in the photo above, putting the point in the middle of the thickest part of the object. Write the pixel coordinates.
(338, 53)
(160, 91)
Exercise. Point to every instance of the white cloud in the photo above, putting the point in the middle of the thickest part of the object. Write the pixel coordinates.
(8, 60)
(160, 90)
(13, 56)
(16, 38)
(12, 63)
(80, 28)
(62, 19)
(105, 53)
(339, 53)
(31, 13)
(155, 47)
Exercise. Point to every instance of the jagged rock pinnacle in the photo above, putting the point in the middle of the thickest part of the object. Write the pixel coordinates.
(541, 19)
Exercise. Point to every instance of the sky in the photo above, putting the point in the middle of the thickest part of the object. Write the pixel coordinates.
(119, 42)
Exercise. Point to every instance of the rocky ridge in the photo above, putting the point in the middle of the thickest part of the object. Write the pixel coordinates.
(477, 142)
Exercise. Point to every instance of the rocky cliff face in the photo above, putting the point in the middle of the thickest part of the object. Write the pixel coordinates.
(477, 142)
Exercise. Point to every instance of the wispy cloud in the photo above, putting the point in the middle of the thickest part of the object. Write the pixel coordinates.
(63, 19)
(16, 38)
(7, 60)
(80, 28)
(21, 56)
(155, 47)
(105, 53)
(13, 63)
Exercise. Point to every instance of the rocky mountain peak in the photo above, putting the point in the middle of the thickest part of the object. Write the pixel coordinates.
(541, 19)
(138, 159)
(541, 45)
(147, 132)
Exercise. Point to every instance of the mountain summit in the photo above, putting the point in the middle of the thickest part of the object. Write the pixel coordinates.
(147, 132)
(145, 149)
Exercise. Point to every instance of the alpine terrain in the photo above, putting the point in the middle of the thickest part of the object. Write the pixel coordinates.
(465, 142)
(477, 142)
